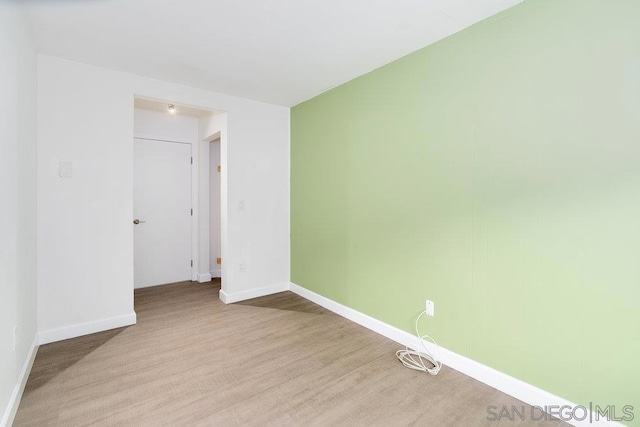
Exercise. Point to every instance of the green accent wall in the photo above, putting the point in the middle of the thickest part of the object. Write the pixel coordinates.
(496, 172)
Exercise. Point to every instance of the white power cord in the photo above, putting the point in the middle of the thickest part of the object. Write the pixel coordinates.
(416, 359)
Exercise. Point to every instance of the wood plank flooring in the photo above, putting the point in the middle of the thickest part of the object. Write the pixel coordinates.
(278, 360)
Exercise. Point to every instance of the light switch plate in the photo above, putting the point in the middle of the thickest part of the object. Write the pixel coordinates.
(65, 169)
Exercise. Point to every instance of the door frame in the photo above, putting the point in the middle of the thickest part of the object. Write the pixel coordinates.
(194, 193)
(216, 136)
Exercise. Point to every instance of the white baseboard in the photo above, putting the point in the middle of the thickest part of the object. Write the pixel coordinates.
(16, 396)
(204, 278)
(228, 298)
(78, 330)
(216, 273)
(512, 386)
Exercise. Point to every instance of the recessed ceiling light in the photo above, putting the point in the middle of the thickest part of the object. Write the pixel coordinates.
(172, 109)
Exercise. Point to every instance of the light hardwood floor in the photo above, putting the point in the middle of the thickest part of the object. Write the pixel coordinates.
(276, 360)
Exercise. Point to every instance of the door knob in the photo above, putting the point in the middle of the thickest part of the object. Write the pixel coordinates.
(137, 221)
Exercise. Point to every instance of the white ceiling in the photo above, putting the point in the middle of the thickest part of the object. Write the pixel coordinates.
(278, 51)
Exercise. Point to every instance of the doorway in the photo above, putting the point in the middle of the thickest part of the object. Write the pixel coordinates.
(202, 131)
(215, 247)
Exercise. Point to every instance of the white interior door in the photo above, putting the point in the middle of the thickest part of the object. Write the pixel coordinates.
(162, 205)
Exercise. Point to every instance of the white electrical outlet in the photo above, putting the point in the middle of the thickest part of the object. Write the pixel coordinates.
(430, 308)
(241, 268)
(15, 337)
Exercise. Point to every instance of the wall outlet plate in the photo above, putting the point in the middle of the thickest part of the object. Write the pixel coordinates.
(430, 308)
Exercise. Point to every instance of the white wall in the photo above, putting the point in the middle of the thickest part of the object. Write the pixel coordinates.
(154, 124)
(85, 231)
(17, 203)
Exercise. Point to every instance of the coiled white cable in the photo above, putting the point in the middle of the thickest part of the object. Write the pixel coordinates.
(415, 359)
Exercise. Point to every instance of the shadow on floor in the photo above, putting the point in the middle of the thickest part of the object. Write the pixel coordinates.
(59, 358)
(286, 301)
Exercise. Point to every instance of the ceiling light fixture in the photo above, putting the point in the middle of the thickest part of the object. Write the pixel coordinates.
(172, 109)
